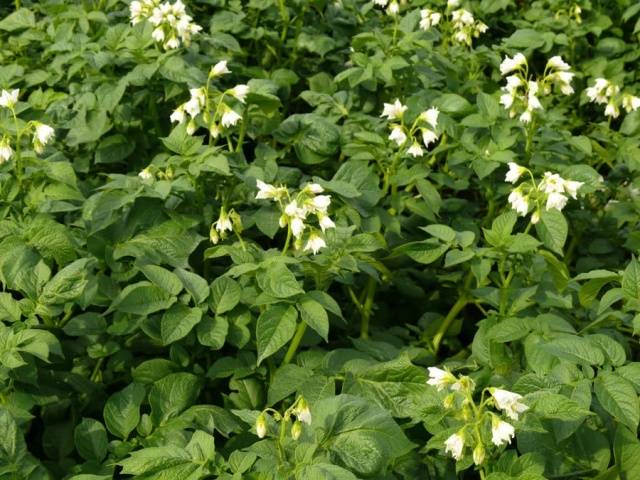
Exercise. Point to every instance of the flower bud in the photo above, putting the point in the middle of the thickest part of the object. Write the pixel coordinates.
(261, 426)
(296, 430)
(478, 454)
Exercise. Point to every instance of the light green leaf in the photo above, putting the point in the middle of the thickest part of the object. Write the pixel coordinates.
(618, 397)
(177, 322)
(122, 410)
(274, 329)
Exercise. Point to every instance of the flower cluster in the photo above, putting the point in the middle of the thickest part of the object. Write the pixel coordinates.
(520, 94)
(464, 26)
(227, 222)
(425, 126)
(478, 422)
(199, 106)
(42, 134)
(604, 92)
(299, 410)
(392, 7)
(296, 211)
(172, 23)
(553, 191)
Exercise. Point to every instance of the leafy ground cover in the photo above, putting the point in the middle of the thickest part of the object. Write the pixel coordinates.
(319, 239)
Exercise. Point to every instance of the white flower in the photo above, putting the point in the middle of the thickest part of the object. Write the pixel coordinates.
(196, 102)
(267, 191)
(9, 99)
(612, 110)
(178, 115)
(5, 150)
(454, 445)
(313, 188)
(630, 103)
(508, 402)
(501, 432)
(480, 28)
(214, 130)
(302, 411)
(230, 118)
(43, 133)
(526, 116)
(320, 202)
(428, 137)
(219, 69)
(429, 18)
(507, 99)
(415, 150)
(511, 64)
(135, 9)
(381, 3)
(556, 200)
(598, 93)
(514, 173)
(513, 83)
(145, 175)
(571, 187)
(240, 92)
(557, 63)
(567, 89)
(293, 210)
(462, 16)
(439, 378)
(325, 222)
(393, 8)
(398, 135)
(551, 183)
(431, 116)
(314, 244)
(519, 202)
(393, 110)
(158, 34)
(453, 3)
(297, 226)
(224, 222)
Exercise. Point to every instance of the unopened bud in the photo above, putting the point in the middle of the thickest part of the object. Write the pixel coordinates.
(296, 430)
(478, 454)
(261, 426)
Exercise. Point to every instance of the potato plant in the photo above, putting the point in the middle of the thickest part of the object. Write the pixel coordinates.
(313, 239)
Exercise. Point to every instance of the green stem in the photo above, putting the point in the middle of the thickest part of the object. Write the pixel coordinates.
(457, 307)
(367, 308)
(18, 148)
(295, 343)
(243, 129)
(287, 241)
(96, 370)
(17, 4)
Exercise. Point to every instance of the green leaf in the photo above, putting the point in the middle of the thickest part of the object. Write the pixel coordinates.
(226, 294)
(162, 463)
(163, 278)
(142, 298)
(91, 439)
(171, 395)
(212, 332)
(180, 142)
(278, 281)
(452, 103)
(631, 282)
(359, 435)
(197, 286)
(177, 322)
(552, 229)
(618, 397)
(626, 448)
(314, 315)
(575, 349)
(18, 20)
(274, 329)
(122, 410)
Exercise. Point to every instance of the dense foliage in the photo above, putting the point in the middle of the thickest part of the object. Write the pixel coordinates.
(311, 239)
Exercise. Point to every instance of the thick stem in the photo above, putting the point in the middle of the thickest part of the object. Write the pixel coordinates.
(17, 4)
(295, 343)
(452, 314)
(367, 307)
